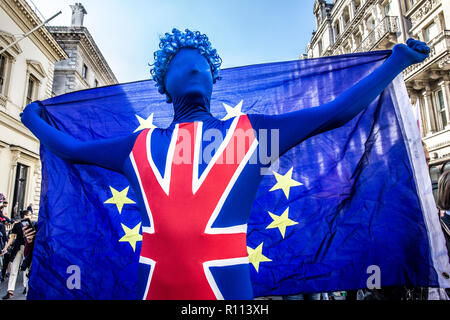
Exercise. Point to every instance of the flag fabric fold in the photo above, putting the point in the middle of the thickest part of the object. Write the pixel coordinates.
(336, 212)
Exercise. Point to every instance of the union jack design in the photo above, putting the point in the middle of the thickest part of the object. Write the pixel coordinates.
(181, 244)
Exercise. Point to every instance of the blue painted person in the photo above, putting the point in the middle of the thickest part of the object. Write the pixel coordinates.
(194, 213)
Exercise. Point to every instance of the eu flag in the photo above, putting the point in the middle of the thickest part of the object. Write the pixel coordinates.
(334, 208)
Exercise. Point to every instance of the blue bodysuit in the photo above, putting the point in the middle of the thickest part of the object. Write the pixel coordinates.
(194, 210)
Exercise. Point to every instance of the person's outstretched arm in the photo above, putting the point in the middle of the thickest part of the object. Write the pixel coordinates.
(295, 127)
(106, 153)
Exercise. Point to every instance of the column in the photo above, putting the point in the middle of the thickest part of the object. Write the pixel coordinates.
(353, 45)
(352, 10)
(341, 21)
(364, 29)
(428, 103)
(36, 187)
(15, 156)
(379, 12)
(445, 86)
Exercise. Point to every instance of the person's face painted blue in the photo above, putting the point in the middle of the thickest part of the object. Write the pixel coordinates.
(189, 74)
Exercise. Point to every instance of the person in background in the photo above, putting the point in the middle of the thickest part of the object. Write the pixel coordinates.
(14, 212)
(17, 240)
(443, 202)
(3, 222)
(427, 154)
(3, 207)
(30, 208)
(29, 234)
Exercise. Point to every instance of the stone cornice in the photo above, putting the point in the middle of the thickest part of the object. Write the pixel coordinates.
(81, 35)
(24, 16)
(23, 151)
(419, 13)
(16, 125)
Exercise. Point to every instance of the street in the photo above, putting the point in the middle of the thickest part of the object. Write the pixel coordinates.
(18, 293)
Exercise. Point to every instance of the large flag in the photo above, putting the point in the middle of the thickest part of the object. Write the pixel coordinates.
(343, 210)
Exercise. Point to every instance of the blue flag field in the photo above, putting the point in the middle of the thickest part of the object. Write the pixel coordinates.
(332, 210)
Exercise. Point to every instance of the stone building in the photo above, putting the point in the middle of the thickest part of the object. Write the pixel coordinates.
(348, 26)
(26, 74)
(86, 66)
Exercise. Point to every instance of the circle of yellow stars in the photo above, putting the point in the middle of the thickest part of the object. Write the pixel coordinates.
(280, 222)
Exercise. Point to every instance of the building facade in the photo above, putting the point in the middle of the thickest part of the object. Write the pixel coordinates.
(26, 74)
(348, 26)
(86, 67)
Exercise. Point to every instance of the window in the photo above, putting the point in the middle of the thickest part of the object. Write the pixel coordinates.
(346, 16)
(2, 72)
(431, 32)
(337, 30)
(357, 4)
(409, 4)
(95, 83)
(31, 89)
(19, 189)
(440, 108)
(320, 47)
(84, 71)
(358, 39)
(387, 9)
(446, 167)
(370, 24)
(434, 175)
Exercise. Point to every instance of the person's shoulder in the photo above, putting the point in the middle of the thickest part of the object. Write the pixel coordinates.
(15, 227)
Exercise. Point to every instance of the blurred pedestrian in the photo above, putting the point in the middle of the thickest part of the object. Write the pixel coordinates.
(3, 209)
(17, 241)
(30, 208)
(443, 202)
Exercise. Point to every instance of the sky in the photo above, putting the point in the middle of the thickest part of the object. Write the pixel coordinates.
(244, 32)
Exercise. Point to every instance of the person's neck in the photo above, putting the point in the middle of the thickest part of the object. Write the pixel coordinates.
(191, 108)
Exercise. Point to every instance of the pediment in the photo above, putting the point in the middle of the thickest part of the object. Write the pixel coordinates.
(36, 68)
(6, 39)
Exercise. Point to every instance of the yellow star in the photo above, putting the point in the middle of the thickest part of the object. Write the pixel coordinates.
(131, 235)
(255, 256)
(285, 182)
(233, 112)
(145, 123)
(119, 198)
(281, 222)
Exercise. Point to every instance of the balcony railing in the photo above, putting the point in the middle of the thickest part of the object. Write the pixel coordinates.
(440, 47)
(387, 26)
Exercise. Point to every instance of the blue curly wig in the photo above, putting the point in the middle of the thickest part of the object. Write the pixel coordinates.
(170, 44)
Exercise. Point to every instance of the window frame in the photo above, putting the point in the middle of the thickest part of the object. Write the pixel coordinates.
(84, 71)
(3, 69)
(31, 79)
(440, 109)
